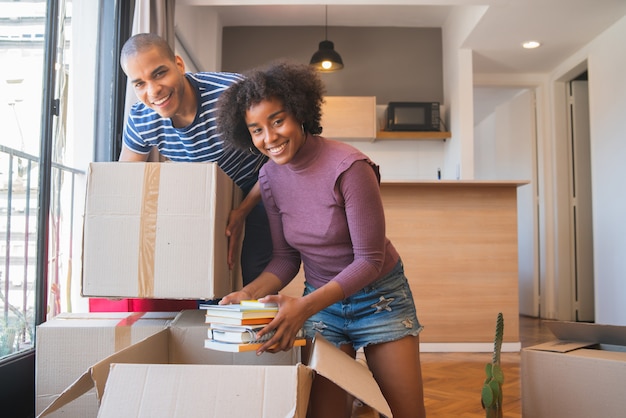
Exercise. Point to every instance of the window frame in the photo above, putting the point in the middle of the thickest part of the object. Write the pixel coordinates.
(17, 394)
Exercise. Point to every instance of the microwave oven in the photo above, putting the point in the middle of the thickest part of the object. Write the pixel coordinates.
(413, 116)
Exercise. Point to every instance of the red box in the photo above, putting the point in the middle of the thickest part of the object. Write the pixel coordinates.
(140, 305)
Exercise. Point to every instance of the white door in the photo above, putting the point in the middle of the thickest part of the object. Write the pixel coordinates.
(581, 243)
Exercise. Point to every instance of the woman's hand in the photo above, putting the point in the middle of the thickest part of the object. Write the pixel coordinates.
(292, 313)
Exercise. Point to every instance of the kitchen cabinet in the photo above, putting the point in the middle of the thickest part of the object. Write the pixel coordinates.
(349, 118)
(355, 118)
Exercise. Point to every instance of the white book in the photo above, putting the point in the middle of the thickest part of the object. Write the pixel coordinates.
(237, 334)
(238, 348)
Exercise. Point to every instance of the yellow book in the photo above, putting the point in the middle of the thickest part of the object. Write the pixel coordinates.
(254, 303)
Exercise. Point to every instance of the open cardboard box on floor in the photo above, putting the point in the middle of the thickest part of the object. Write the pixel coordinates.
(579, 375)
(71, 342)
(156, 230)
(170, 374)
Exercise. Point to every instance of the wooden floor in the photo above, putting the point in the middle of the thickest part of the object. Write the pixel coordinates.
(453, 381)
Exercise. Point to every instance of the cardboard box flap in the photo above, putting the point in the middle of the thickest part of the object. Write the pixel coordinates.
(81, 386)
(153, 349)
(558, 346)
(588, 332)
(345, 372)
(177, 390)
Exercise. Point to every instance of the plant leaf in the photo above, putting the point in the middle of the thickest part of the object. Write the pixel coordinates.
(495, 388)
(487, 397)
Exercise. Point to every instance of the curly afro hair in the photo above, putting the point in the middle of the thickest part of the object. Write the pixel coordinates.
(297, 86)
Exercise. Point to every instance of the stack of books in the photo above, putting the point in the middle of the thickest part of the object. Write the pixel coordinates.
(234, 327)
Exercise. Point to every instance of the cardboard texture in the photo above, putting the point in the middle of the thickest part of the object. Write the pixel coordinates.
(166, 373)
(156, 230)
(68, 344)
(169, 391)
(177, 391)
(579, 375)
(181, 342)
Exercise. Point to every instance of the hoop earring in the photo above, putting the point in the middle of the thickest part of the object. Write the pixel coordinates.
(303, 129)
(253, 151)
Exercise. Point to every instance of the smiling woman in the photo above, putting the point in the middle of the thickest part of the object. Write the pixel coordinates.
(325, 212)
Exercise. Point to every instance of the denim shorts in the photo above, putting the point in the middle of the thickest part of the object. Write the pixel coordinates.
(381, 312)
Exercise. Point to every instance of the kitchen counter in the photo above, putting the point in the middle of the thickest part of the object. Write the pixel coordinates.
(458, 241)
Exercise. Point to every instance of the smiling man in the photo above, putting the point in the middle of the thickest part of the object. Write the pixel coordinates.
(176, 115)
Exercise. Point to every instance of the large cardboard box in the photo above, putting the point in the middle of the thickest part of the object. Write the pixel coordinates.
(579, 375)
(68, 344)
(156, 230)
(170, 374)
(181, 342)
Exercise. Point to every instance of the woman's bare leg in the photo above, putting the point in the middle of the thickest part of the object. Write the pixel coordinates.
(397, 369)
(327, 399)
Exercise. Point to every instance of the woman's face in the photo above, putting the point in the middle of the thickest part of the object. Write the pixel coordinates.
(274, 131)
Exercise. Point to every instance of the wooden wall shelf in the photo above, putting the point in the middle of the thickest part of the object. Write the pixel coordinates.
(383, 135)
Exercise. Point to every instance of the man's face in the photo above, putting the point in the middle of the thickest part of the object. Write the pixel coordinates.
(158, 81)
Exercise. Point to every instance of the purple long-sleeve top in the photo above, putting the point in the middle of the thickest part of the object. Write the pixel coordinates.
(325, 210)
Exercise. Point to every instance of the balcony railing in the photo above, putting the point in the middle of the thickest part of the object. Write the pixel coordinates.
(19, 209)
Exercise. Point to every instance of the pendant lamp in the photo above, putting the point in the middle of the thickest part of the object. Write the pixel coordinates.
(326, 59)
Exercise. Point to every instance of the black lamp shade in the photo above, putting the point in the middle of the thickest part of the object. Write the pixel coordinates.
(326, 59)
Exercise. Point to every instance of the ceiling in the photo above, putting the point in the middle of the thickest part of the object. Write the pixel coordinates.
(562, 26)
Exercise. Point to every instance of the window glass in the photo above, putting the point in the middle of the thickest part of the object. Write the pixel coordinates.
(22, 30)
(22, 66)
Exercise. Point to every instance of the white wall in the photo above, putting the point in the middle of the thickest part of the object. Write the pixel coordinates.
(200, 31)
(503, 150)
(607, 98)
(81, 121)
(405, 159)
(458, 92)
(606, 61)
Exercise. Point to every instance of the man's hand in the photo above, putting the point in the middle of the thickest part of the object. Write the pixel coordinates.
(235, 297)
(234, 231)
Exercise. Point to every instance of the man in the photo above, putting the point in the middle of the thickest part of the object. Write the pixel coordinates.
(176, 116)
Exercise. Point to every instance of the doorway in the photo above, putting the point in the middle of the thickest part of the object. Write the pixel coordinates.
(580, 202)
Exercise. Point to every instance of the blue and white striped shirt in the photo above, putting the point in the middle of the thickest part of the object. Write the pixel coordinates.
(198, 142)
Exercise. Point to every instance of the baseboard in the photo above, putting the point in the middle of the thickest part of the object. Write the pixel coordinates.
(468, 347)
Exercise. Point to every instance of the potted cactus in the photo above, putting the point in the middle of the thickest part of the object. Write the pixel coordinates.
(491, 396)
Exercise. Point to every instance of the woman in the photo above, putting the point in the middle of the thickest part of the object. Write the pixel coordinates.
(325, 211)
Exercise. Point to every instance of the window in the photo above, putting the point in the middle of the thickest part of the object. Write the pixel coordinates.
(45, 100)
(56, 75)
(22, 29)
